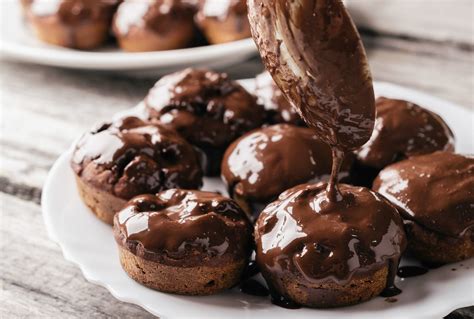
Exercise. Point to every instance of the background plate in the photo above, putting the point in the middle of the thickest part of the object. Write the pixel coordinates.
(89, 243)
(17, 42)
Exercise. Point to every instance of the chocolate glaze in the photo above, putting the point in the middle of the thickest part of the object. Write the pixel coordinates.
(206, 108)
(130, 157)
(306, 236)
(277, 107)
(263, 163)
(314, 53)
(254, 288)
(431, 265)
(391, 300)
(74, 12)
(411, 271)
(404, 129)
(156, 15)
(435, 191)
(281, 301)
(250, 270)
(184, 228)
(390, 291)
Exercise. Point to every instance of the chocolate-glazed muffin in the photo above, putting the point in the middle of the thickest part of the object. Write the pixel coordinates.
(183, 242)
(145, 25)
(435, 195)
(25, 4)
(277, 107)
(79, 24)
(402, 129)
(262, 164)
(129, 157)
(327, 254)
(223, 20)
(207, 108)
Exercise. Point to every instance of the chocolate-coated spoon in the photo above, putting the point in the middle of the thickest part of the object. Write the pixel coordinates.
(314, 53)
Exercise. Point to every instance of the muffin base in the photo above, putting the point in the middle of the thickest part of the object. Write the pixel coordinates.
(103, 204)
(431, 247)
(84, 36)
(199, 280)
(232, 29)
(144, 40)
(331, 294)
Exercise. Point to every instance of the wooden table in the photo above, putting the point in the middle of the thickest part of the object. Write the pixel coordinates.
(43, 109)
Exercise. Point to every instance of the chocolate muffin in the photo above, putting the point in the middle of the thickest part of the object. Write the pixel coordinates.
(223, 21)
(129, 157)
(402, 129)
(183, 242)
(154, 25)
(25, 4)
(207, 108)
(328, 254)
(435, 195)
(262, 164)
(79, 24)
(277, 107)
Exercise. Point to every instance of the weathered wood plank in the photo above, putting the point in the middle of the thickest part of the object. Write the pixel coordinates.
(444, 71)
(438, 20)
(37, 282)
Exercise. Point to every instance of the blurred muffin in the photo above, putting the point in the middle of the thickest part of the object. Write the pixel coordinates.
(153, 25)
(223, 20)
(78, 24)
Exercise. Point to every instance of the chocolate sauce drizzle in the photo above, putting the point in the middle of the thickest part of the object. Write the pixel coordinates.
(251, 270)
(314, 53)
(411, 271)
(254, 288)
(280, 301)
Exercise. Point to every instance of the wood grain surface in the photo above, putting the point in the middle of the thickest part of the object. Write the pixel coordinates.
(44, 109)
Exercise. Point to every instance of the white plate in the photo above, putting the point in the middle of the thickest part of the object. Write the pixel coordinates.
(17, 42)
(89, 243)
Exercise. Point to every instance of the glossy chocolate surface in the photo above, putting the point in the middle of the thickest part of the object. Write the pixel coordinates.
(207, 108)
(315, 55)
(184, 227)
(265, 162)
(404, 129)
(411, 271)
(130, 157)
(436, 191)
(156, 15)
(277, 107)
(73, 12)
(306, 236)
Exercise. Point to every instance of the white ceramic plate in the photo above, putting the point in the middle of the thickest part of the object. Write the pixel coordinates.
(17, 42)
(89, 243)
